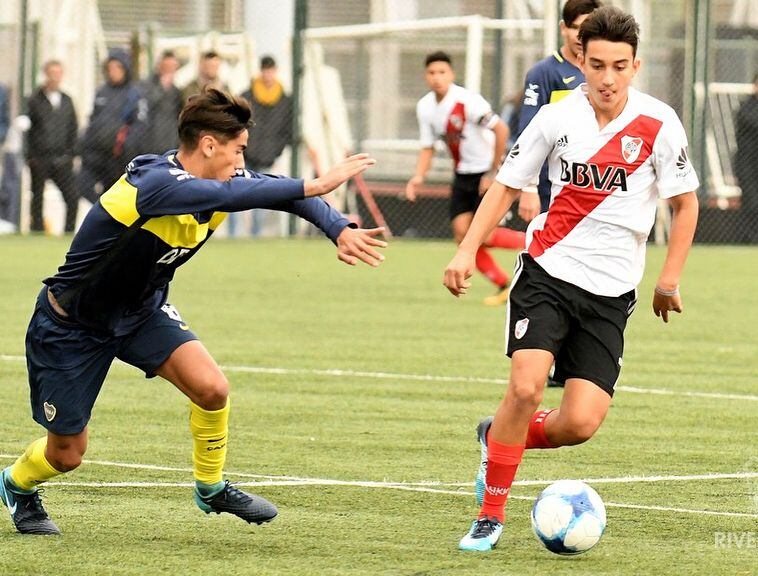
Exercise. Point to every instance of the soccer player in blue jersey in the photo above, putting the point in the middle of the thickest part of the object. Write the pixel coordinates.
(548, 81)
(110, 300)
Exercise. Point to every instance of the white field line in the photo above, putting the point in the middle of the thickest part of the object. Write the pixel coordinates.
(408, 486)
(434, 378)
(386, 486)
(427, 483)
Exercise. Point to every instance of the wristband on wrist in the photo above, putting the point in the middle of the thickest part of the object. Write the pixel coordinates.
(662, 292)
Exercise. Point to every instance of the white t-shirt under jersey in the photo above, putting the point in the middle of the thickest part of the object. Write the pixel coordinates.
(464, 121)
(605, 186)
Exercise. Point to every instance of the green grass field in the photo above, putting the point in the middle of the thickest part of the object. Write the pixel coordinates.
(356, 393)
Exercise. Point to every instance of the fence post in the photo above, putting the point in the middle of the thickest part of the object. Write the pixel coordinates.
(474, 43)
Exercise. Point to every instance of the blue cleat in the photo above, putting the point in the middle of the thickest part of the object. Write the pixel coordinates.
(483, 535)
(481, 473)
(26, 508)
(252, 509)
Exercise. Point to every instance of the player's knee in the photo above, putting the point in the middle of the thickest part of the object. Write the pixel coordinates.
(65, 458)
(213, 393)
(525, 393)
(582, 429)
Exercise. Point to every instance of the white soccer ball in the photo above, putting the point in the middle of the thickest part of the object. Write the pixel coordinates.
(568, 517)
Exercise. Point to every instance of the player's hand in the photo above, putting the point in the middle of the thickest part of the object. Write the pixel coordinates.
(665, 301)
(338, 174)
(458, 272)
(354, 244)
(411, 188)
(528, 205)
(484, 183)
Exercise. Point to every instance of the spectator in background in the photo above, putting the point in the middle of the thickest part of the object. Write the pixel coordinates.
(50, 144)
(163, 102)
(4, 114)
(746, 163)
(102, 147)
(207, 75)
(271, 131)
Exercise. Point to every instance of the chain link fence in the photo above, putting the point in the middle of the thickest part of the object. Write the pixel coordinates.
(363, 73)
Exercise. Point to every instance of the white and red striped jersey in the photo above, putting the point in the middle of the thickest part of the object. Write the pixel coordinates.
(605, 186)
(464, 121)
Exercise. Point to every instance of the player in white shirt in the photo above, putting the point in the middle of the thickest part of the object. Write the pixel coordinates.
(475, 137)
(612, 151)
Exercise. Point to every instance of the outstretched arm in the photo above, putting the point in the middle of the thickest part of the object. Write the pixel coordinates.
(501, 138)
(666, 297)
(496, 202)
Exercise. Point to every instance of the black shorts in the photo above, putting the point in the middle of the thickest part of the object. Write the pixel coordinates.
(583, 331)
(465, 196)
(68, 363)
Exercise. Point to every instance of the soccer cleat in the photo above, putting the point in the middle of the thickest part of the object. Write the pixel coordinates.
(481, 473)
(551, 381)
(26, 509)
(252, 509)
(497, 299)
(483, 535)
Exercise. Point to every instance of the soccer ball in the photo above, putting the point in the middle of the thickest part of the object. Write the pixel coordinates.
(568, 517)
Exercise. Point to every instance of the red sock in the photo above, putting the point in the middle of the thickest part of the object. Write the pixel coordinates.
(507, 238)
(486, 264)
(536, 437)
(502, 463)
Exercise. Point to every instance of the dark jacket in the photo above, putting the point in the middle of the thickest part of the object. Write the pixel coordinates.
(116, 106)
(271, 131)
(4, 114)
(746, 159)
(53, 131)
(163, 107)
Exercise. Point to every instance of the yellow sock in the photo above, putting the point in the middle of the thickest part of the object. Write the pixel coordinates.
(32, 467)
(209, 432)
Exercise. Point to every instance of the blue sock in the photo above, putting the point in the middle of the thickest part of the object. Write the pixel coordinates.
(207, 490)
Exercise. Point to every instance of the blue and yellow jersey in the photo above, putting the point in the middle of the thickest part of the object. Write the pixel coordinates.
(150, 222)
(548, 81)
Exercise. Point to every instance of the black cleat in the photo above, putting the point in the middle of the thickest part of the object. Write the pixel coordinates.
(26, 510)
(252, 509)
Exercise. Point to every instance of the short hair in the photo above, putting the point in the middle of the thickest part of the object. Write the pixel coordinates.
(572, 9)
(438, 56)
(210, 54)
(52, 62)
(267, 62)
(612, 24)
(167, 54)
(214, 112)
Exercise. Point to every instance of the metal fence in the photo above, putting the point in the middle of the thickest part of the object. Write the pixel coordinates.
(362, 74)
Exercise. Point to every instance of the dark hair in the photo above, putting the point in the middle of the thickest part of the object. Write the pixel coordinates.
(572, 9)
(267, 62)
(210, 54)
(438, 56)
(612, 24)
(168, 54)
(212, 112)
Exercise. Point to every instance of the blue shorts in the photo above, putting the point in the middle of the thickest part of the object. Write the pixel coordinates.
(68, 363)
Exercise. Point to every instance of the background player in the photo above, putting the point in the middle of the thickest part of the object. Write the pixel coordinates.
(548, 81)
(109, 300)
(476, 138)
(611, 151)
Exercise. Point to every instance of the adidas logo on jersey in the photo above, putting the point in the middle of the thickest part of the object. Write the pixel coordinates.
(589, 176)
(514, 151)
(562, 141)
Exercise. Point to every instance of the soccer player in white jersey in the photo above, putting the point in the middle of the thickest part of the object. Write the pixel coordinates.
(475, 137)
(612, 151)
